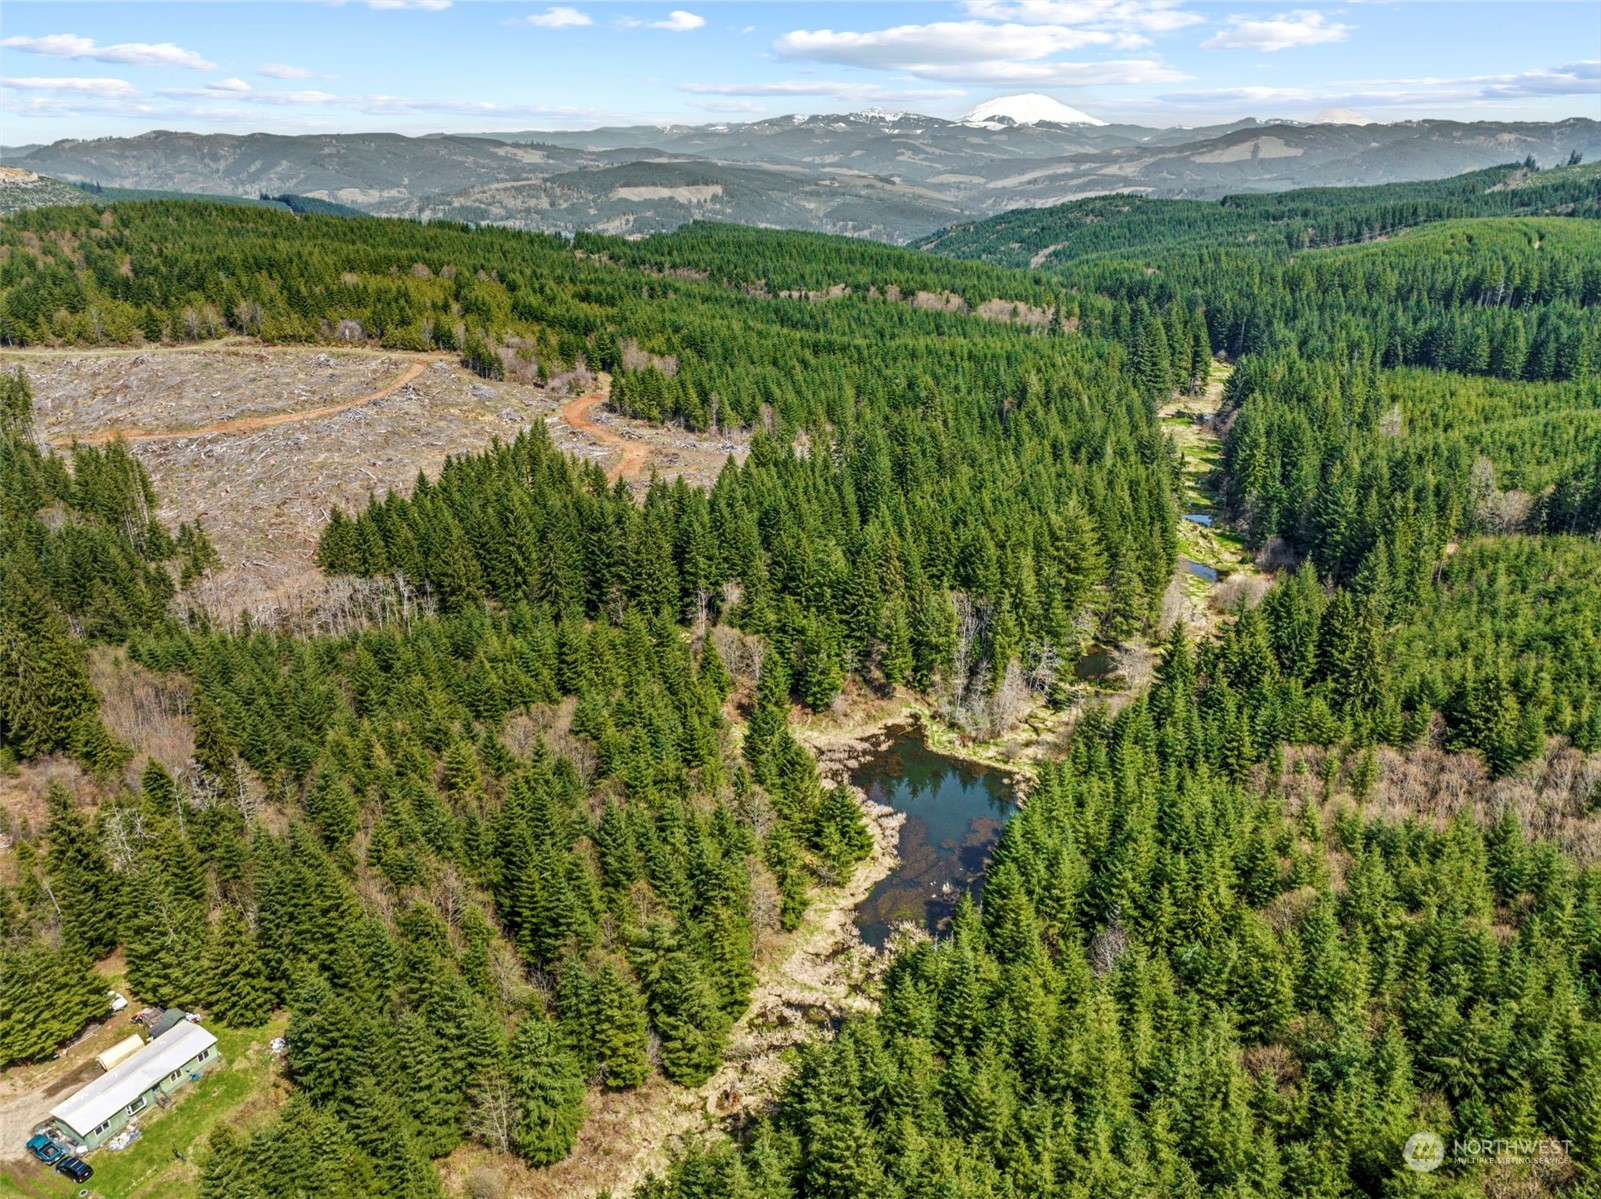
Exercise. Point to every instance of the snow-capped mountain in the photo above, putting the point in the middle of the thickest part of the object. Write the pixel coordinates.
(1029, 108)
(885, 116)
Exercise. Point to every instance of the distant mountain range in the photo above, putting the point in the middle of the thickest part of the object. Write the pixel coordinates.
(890, 176)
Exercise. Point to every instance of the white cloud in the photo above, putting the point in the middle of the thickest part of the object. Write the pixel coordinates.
(225, 106)
(132, 54)
(1129, 16)
(1582, 78)
(558, 17)
(280, 70)
(428, 5)
(856, 93)
(733, 106)
(944, 43)
(1570, 79)
(239, 90)
(107, 89)
(1304, 27)
(310, 96)
(1062, 74)
(978, 52)
(679, 21)
(569, 117)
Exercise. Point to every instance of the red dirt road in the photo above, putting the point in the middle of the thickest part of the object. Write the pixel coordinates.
(576, 414)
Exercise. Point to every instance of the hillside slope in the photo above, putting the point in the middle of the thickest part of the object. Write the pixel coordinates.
(1062, 234)
(21, 190)
(892, 176)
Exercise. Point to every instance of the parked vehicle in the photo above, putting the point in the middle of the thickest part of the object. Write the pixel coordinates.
(75, 1168)
(46, 1150)
(118, 1000)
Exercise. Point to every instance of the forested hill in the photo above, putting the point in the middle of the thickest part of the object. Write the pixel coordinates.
(1410, 436)
(1123, 225)
(373, 833)
(1330, 880)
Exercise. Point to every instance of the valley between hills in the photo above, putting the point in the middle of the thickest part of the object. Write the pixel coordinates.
(1106, 701)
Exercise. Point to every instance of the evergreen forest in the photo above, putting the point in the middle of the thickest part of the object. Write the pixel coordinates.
(515, 849)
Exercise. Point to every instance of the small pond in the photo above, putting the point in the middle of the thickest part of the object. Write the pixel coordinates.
(1097, 663)
(954, 813)
(1200, 570)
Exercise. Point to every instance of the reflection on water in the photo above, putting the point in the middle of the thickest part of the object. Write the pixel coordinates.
(954, 813)
(1096, 664)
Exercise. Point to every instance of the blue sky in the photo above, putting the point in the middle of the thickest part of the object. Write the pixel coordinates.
(416, 66)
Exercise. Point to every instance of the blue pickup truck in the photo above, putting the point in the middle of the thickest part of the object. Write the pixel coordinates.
(46, 1150)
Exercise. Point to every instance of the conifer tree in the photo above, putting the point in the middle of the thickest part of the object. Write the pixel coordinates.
(683, 1006)
(46, 998)
(617, 1026)
(216, 749)
(841, 1158)
(713, 674)
(158, 789)
(196, 555)
(234, 984)
(432, 1093)
(45, 693)
(768, 719)
(782, 856)
(323, 1035)
(548, 1090)
(85, 887)
(895, 634)
(380, 1128)
(226, 1171)
(839, 833)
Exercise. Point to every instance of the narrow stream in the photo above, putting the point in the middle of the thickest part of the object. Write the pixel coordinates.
(954, 814)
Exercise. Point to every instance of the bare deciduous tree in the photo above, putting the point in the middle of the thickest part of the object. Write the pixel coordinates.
(492, 1114)
(125, 837)
(1109, 944)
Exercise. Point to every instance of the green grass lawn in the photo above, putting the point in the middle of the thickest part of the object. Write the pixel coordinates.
(151, 1167)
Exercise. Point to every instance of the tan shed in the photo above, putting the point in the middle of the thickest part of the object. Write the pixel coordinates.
(121, 1051)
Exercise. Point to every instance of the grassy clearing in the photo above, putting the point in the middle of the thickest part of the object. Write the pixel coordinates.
(1196, 439)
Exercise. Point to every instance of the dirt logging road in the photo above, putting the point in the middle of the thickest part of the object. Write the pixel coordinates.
(575, 413)
(634, 454)
(263, 441)
(251, 424)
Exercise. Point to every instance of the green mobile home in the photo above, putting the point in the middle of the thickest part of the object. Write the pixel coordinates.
(104, 1107)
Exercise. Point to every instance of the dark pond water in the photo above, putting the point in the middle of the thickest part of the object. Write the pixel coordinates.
(954, 813)
(1095, 664)
(1201, 570)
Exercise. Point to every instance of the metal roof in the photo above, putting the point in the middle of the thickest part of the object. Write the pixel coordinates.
(126, 1081)
(121, 1051)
